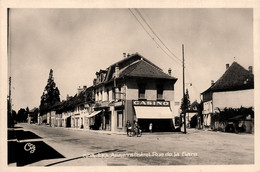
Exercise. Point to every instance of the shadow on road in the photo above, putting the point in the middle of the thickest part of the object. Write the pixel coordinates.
(21, 135)
(27, 152)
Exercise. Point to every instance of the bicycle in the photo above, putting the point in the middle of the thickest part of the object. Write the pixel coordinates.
(135, 132)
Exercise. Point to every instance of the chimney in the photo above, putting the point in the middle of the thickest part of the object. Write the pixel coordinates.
(79, 90)
(212, 82)
(94, 81)
(84, 87)
(68, 97)
(128, 55)
(250, 69)
(170, 71)
(124, 55)
(227, 66)
(116, 71)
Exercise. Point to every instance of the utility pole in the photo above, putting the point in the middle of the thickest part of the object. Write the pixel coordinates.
(9, 56)
(10, 99)
(183, 110)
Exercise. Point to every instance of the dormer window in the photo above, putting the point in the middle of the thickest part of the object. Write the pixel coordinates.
(97, 96)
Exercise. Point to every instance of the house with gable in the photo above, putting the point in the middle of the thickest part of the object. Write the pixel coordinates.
(82, 104)
(190, 113)
(133, 89)
(234, 89)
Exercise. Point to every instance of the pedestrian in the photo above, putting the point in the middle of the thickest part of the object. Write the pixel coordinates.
(136, 128)
(128, 127)
(151, 127)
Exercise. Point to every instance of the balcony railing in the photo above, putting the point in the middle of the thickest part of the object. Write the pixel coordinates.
(101, 104)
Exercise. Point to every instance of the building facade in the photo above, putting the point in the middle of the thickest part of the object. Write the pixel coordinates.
(133, 89)
(235, 89)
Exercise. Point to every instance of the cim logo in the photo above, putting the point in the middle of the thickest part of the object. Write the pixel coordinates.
(30, 147)
(150, 103)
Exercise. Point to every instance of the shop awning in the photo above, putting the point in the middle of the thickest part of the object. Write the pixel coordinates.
(153, 112)
(94, 113)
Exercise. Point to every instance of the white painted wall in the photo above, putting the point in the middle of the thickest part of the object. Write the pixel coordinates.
(233, 99)
(207, 107)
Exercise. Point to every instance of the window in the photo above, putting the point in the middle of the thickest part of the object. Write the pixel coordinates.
(120, 119)
(113, 94)
(107, 94)
(141, 91)
(160, 91)
(101, 95)
(119, 93)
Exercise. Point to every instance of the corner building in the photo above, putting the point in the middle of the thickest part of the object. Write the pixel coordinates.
(133, 89)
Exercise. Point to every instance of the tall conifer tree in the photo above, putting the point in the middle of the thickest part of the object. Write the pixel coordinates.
(51, 94)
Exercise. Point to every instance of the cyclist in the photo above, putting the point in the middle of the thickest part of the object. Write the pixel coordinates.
(128, 127)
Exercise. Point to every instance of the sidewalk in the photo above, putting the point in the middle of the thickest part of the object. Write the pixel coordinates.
(111, 132)
(88, 130)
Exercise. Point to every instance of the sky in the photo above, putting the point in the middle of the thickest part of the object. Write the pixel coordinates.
(76, 43)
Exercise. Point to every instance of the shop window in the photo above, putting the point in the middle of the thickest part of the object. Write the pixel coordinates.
(141, 91)
(159, 91)
(177, 121)
(120, 119)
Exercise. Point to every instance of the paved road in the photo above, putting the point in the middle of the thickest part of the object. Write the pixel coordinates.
(81, 148)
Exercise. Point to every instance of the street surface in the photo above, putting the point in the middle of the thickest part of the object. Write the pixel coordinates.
(79, 147)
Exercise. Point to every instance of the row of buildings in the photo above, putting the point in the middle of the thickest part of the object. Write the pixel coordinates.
(135, 89)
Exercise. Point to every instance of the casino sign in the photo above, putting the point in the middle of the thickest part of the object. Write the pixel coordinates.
(150, 103)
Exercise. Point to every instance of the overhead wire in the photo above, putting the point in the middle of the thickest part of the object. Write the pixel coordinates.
(140, 14)
(158, 45)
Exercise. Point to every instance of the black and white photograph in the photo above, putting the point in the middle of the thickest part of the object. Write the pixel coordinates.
(130, 86)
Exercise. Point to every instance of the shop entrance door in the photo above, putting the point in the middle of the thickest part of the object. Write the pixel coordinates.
(68, 122)
(159, 125)
(108, 121)
(98, 122)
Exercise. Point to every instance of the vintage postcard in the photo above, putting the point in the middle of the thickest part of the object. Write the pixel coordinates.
(124, 85)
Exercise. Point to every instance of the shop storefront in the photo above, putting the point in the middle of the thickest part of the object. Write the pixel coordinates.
(106, 121)
(95, 120)
(157, 113)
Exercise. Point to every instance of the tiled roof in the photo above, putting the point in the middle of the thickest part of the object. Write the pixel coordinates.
(144, 69)
(235, 78)
(124, 63)
(134, 65)
(134, 57)
(83, 97)
(34, 109)
(193, 107)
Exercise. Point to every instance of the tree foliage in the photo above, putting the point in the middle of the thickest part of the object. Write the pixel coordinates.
(185, 102)
(51, 94)
(22, 115)
(227, 114)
